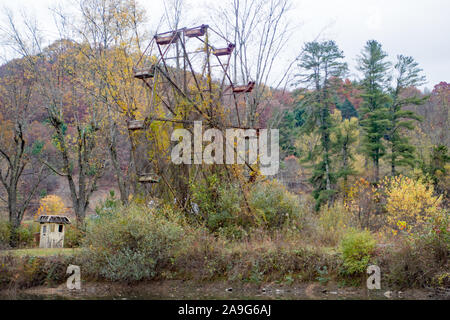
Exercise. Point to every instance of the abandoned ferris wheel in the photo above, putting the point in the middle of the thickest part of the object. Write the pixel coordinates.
(193, 65)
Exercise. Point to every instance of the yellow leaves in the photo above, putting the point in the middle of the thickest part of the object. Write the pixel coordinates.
(51, 205)
(410, 203)
(401, 225)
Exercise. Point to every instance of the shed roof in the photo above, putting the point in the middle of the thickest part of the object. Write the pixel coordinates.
(53, 219)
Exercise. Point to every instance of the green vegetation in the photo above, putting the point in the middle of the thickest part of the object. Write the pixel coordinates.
(132, 243)
(25, 233)
(38, 252)
(357, 249)
(365, 172)
(321, 62)
(374, 112)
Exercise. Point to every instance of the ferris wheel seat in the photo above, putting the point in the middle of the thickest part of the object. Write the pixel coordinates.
(145, 73)
(224, 51)
(149, 178)
(135, 125)
(245, 88)
(166, 40)
(196, 32)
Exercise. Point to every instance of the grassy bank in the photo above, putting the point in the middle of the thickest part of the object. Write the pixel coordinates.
(281, 240)
(205, 259)
(38, 252)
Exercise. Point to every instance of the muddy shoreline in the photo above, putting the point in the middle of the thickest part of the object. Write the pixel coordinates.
(193, 290)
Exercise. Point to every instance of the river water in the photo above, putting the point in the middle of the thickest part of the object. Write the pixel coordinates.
(176, 290)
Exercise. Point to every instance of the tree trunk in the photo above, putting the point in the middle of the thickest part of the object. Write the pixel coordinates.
(13, 218)
(344, 166)
(376, 164)
(327, 173)
(120, 179)
(393, 171)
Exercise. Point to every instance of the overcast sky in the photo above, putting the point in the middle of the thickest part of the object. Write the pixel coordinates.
(419, 28)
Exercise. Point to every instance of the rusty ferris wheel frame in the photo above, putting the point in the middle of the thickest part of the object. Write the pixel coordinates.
(197, 62)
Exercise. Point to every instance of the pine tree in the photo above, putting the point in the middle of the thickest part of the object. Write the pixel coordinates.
(344, 135)
(408, 74)
(374, 111)
(347, 109)
(319, 63)
(289, 128)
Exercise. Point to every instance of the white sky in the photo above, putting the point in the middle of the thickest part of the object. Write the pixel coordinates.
(419, 28)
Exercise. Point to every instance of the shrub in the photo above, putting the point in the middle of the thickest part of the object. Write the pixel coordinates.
(29, 271)
(109, 205)
(362, 201)
(333, 224)
(416, 262)
(410, 203)
(216, 203)
(131, 243)
(223, 208)
(25, 235)
(73, 237)
(357, 249)
(5, 233)
(273, 204)
(227, 213)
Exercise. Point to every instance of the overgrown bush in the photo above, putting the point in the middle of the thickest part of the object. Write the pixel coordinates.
(410, 203)
(29, 271)
(132, 243)
(219, 205)
(25, 234)
(363, 202)
(73, 237)
(223, 208)
(5, 233)
(415, 263)
(109, 205)
(274, 205)
(333, 224)
(357, 247)
(228, 209)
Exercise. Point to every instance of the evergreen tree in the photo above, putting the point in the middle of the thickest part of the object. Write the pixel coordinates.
(319, 63)
(347, 109)
(289, 128)
(344, 135)
(438, 169)
(374, 110)
(408, 74)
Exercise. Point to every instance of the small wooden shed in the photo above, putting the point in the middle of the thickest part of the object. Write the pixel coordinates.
(52, 231)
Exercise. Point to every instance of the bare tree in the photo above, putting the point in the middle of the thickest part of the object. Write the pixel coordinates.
(55, 70)
(104, 27)
(17, 91)
(261, 31)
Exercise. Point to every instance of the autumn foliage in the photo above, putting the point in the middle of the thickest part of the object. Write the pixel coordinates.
(51, 205)
(410, 203)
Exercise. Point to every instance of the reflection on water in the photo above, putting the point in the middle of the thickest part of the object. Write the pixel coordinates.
(20, 295)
